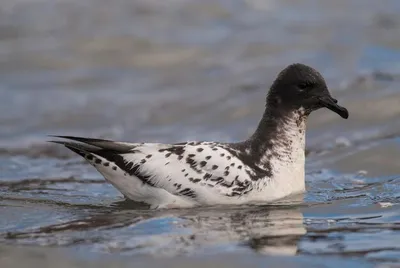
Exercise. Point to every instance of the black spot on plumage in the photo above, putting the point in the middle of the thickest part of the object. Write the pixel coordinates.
(228, 157)
(168, 155)
(226, 173)
(239, 183)
(106, 164)
(203, 163)
(227, 168)
(239, 167)
(190, 161)
(219, 179)
(215, 149)
(129, 166)
(242, 188)
(167, 163)
(89, 157)
(222, 155)
(214, 167)
(226, 184)
(233, 164)
(191, 155)
(97, 161)
(207, 176)
(200, 150)
(114, 168)
(193, 164)
(180, 157)
(162, 150)
(195, 180)
(178, 150)
(186, 174)
(187, 192)
(183, 170)
(142, 161)
(149, 156)
(208, 157)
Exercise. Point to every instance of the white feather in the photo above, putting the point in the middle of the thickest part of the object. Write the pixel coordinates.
(163, 175)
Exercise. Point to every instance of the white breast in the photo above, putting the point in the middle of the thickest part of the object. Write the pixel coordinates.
(288, 165)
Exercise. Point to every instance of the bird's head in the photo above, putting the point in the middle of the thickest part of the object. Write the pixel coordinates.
(300, 87)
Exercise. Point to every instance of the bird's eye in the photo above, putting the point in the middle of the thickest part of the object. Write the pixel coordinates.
(305, 85)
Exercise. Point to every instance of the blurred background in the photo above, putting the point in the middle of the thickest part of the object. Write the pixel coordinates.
(176, 70)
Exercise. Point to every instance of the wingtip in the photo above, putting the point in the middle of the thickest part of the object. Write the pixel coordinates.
(58, 142)
(73, 147)
(79, 139)
(59, 136)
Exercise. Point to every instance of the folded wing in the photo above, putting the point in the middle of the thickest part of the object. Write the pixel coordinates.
(196, 170)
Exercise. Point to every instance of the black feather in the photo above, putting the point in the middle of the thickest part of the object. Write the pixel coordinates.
(78, 146)
(109, 150)
(119, 147)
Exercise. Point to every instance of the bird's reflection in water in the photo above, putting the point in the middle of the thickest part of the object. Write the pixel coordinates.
(281, 236)
(271, 230)
(129, 228)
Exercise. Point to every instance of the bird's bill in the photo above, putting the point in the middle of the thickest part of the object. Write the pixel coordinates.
(332, 105)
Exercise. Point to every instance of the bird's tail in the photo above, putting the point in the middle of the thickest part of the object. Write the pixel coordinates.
(88, 148)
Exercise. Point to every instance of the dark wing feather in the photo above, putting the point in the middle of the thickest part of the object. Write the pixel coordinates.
(185, 169)
(121, 147)
(78, 148)
(107, 149)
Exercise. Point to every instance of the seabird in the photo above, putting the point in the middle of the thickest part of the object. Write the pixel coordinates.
(269, 165)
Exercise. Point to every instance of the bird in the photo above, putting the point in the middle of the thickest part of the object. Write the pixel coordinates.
(267, 166)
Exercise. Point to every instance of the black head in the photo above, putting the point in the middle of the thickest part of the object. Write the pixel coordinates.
(300, 86)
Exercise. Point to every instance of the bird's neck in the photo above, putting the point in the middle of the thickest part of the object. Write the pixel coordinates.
(280, 136)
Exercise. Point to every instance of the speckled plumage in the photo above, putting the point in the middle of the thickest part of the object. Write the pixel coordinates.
(267, 166)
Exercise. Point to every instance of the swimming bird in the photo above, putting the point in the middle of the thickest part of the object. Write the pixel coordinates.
(267, 166)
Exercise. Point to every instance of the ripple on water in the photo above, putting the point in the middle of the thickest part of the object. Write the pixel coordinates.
(342, 215)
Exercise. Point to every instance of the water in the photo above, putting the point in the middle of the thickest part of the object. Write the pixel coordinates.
(184, 70)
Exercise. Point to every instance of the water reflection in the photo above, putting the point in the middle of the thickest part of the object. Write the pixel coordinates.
(268, 230)
(341, 214)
